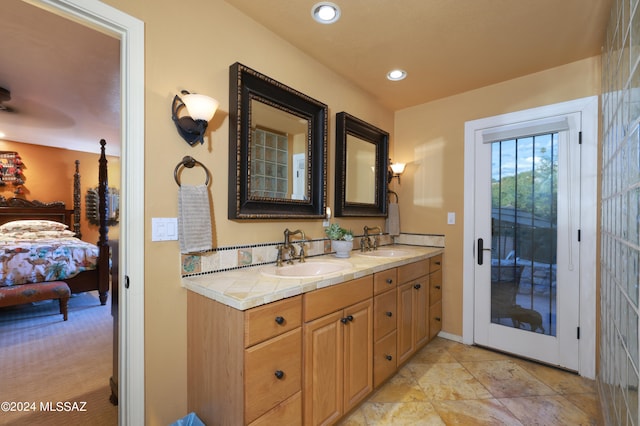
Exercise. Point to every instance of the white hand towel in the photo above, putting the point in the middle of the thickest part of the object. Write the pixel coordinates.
(194, 219)
(392, 224)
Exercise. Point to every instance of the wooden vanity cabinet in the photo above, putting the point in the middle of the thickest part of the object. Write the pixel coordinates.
(413, 309)
(385, 308)
(338, 343)
(435, 296)
(244, 367)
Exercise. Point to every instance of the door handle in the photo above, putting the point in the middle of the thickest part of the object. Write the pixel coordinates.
(481, 249)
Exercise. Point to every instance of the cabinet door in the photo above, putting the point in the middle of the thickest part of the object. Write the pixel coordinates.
(323, 369)
(358, 353)
(421, 295)
(406, 345)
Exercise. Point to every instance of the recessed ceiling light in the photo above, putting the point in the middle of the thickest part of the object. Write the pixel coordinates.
(396, 75)
(325, 12)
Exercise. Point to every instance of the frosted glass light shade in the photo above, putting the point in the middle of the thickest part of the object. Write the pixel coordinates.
(200, 107)
(398, 168)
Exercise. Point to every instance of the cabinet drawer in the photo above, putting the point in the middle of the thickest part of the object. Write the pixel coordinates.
(384, 314)
(412, 271)
(327, 300)
(435, 286)
(435, 319)
(270, 320)
(288, 413)
(384, 359)
(263, 362)
(385, 280)
(435, 263)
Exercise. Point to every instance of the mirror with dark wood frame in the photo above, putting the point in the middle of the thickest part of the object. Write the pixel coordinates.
(277, 149)
(361, 167)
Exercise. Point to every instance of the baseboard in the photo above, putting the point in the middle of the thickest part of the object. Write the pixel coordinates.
(450, 336)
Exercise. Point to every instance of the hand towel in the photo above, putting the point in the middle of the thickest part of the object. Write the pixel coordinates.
(194, 219)
(392, 223)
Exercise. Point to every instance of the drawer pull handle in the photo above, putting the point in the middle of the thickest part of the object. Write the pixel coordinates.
(389, 313)
(388, 357)
(438, 287)
(280, 320)
(279, 374)
(438, 263)
(389, 281)
(417, 286)
(437, 318)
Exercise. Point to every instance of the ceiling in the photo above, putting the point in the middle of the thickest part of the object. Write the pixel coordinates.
(64, 80)
(64, 77)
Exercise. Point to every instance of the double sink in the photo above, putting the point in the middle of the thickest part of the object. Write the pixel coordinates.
(319, 268)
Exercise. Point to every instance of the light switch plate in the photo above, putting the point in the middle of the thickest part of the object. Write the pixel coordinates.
(164, 228)
(451, 218)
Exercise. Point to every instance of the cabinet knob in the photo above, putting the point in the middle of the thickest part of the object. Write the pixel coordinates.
(389, 313)
(437, 318)
(438, 287)
(388, 357)
(346, 319)
(417, 286)
(280, 320)
(279, 374)
(389, 281)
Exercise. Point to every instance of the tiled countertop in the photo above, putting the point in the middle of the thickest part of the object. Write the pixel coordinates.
(247, 288)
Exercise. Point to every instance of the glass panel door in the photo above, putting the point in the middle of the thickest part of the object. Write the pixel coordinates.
(524, 202)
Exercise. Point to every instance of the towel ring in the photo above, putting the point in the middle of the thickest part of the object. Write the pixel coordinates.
(394, 193)
(189, 162)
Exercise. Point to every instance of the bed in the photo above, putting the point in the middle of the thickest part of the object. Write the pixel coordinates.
(40, 242)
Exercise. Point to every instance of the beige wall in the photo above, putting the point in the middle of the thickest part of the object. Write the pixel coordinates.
(430, 139)
(190, 45)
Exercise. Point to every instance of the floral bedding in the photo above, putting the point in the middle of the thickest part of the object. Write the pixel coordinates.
(30, 254)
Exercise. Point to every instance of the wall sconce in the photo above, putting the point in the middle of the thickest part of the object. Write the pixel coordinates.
(395, 170)
(200, 110)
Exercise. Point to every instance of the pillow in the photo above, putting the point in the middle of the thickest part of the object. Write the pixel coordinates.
(38, 235)
(32, 226)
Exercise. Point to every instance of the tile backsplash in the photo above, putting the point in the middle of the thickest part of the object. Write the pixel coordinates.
(237, 257)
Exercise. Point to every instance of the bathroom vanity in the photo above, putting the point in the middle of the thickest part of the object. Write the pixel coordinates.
(266, 350)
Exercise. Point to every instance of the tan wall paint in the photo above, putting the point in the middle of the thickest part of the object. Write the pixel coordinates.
(190, 45)
(49, 175)
(430, 139)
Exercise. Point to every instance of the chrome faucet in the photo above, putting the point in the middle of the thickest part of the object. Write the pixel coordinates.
(365, 242)
(289, 248)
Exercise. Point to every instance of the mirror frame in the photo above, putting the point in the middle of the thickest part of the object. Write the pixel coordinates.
(245, 85)
(347, 124)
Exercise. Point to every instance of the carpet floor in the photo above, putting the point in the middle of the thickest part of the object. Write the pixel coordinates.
(56, 372)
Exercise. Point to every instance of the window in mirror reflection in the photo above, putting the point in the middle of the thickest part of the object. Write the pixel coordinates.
(278, 153)
(360, 185)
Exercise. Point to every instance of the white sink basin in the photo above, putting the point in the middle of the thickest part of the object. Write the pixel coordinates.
(385, 253)
(308, 269)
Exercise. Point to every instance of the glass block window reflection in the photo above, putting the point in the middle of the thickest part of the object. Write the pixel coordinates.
(269, 164)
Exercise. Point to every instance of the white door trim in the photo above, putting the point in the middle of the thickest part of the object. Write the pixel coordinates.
(588, 107)
(130, 31)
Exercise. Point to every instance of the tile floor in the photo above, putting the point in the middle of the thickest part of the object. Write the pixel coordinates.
(448, 383)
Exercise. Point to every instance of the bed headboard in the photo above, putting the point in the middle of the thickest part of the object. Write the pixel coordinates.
(19, 209)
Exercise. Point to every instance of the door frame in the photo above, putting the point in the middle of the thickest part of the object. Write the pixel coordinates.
(588, 107)
(130, 32)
